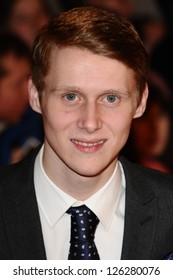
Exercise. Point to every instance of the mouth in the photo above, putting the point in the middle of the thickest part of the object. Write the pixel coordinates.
(88, 146)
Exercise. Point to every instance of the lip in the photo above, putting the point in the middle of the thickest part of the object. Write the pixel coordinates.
(88, 146)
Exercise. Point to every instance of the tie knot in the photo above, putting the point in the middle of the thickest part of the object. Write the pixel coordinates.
(83, 224)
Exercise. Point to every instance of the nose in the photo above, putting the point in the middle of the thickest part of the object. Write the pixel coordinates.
(90, 118)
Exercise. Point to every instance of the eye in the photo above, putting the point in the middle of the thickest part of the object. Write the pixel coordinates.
(70, 96)
(111, 98)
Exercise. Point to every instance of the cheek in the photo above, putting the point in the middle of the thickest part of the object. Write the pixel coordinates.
(121, 121)
(56, 120)
(120, 127)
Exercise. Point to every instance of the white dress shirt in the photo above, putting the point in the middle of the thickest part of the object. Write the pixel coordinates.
(108, 204)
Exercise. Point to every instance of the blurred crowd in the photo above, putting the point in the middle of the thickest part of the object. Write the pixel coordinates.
(21, 129)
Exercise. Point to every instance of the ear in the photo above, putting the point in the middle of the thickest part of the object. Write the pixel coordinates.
(141, 107)
(34, 97)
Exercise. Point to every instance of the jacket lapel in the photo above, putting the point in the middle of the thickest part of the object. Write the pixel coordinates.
(22, 222)
(140, 215)
(20, 213)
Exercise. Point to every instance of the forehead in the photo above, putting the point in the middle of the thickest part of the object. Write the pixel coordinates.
(83, 68)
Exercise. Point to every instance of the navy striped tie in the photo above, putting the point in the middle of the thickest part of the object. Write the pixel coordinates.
(83, 226)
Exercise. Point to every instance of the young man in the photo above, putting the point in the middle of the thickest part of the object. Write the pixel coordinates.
(88, 82)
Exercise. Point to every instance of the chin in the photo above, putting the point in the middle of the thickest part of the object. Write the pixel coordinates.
(89, 172)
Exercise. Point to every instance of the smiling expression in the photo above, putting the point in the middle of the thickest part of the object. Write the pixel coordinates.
(87, 106)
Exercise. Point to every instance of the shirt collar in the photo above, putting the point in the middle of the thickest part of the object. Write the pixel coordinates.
(54, 202)
(105, 202)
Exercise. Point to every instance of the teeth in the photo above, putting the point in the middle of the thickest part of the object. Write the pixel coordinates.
(88, 144)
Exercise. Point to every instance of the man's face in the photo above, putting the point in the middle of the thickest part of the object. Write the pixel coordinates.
(14, 88)
(87, 107)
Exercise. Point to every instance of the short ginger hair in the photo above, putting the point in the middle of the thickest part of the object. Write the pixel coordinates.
(94, 29)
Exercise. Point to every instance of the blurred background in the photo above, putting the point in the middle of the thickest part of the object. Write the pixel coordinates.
(21, 129)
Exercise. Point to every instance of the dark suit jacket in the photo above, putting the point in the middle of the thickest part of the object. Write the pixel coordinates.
(148, 232)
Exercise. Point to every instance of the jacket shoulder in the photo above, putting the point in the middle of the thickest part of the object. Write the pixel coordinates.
(144, 176)
(14, 174)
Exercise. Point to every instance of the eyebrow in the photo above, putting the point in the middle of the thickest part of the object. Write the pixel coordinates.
(77, 89)
(118, 91)
(66, 88)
